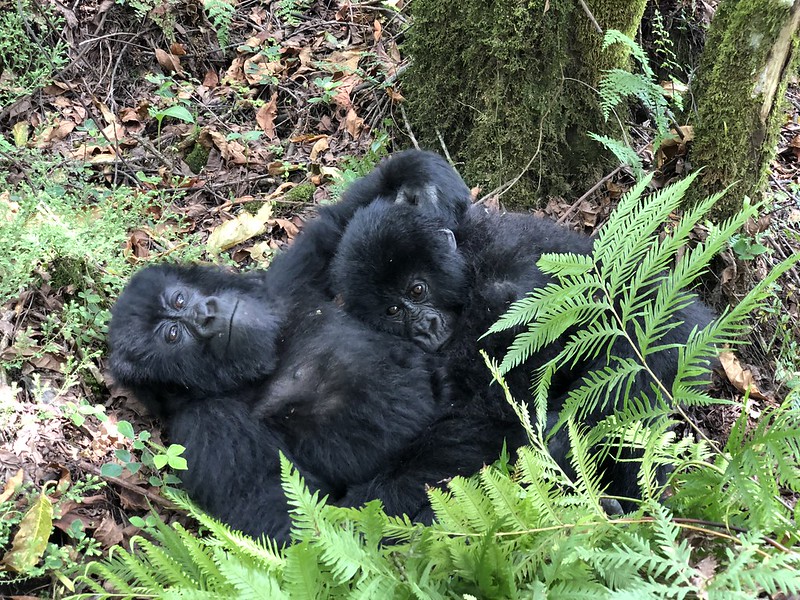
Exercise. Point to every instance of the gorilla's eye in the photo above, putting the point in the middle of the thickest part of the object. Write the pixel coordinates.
(173, 333)
(392, 310)
(416, 291)
(178, 300)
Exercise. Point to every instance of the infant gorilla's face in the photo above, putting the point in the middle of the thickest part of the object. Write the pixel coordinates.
(401, 273)
(200, 328)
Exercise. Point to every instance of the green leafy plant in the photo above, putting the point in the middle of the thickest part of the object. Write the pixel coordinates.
(529, 529)
(618, 86)
(627, 291)
(161, 12)
(27, 526)
(328, 87)
(153, 456)
(25, 64)
(58, 227)
(220, 13)
(291, 11)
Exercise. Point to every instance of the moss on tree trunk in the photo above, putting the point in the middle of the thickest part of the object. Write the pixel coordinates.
(509, 86)
(739, 90)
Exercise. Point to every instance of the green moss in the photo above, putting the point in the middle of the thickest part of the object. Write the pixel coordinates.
(197, 158)
(301, 193)
(503, 84)
(733, 142)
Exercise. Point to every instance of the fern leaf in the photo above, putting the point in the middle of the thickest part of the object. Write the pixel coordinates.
(220, 13)
(568, 264)
(505, 496)
(473, 503)
(342, 552)
(623, 153)
(250, 583)
(301, 576)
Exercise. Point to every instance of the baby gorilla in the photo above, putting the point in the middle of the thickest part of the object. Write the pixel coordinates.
(413, 278)
(346, 398)
(342, 401)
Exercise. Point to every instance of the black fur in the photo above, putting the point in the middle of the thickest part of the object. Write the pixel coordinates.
(386, 249)
(342, 401)
(240, 367)
(346, 398)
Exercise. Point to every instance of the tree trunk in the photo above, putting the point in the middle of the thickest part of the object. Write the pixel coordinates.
(510, 88)
(741, 84)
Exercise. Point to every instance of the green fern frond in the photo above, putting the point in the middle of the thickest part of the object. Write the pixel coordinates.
(505, 495)
(587, 482)
(291, 11)
(551, 325)
(342, 552)
(601, 388)
(302, 573)
(247, 582)
(566, 264)
(623, 153)
(473, 503)
(305, 505)
(220, 13)
(614, 36)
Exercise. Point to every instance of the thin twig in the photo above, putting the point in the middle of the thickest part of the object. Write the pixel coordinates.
(444, 146)
(408, 127)
(591, 16)
(591, 191)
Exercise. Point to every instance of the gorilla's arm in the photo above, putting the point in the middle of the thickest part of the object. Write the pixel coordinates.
(233, 466)
(456, 444)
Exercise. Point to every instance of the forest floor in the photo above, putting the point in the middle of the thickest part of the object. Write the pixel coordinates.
(295, 104)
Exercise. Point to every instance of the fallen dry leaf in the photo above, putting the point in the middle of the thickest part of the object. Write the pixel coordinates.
(108, 532)
(211, 79)
(265, 116)
(319, 146)
(231, 150)
(290, 228)
(169, 62)
(258, 70)
(353, 124)
(11, 485)
(740, 378)
(59, 132)
(238, 230)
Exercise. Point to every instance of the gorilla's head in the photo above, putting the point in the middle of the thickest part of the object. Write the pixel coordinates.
(401, 272)
(416, 178)
(193, 327)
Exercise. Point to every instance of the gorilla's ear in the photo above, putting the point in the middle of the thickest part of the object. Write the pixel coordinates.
(451, 239)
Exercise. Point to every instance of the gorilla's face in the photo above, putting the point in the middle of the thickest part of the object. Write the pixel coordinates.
(402, 274)
(411, 311)
(194, 327)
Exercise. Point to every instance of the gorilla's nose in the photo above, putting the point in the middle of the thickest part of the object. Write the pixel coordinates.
(430, 331)
(205, 315)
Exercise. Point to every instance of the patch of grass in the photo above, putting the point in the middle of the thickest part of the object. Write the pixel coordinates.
(26, 61)
(66, 235)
